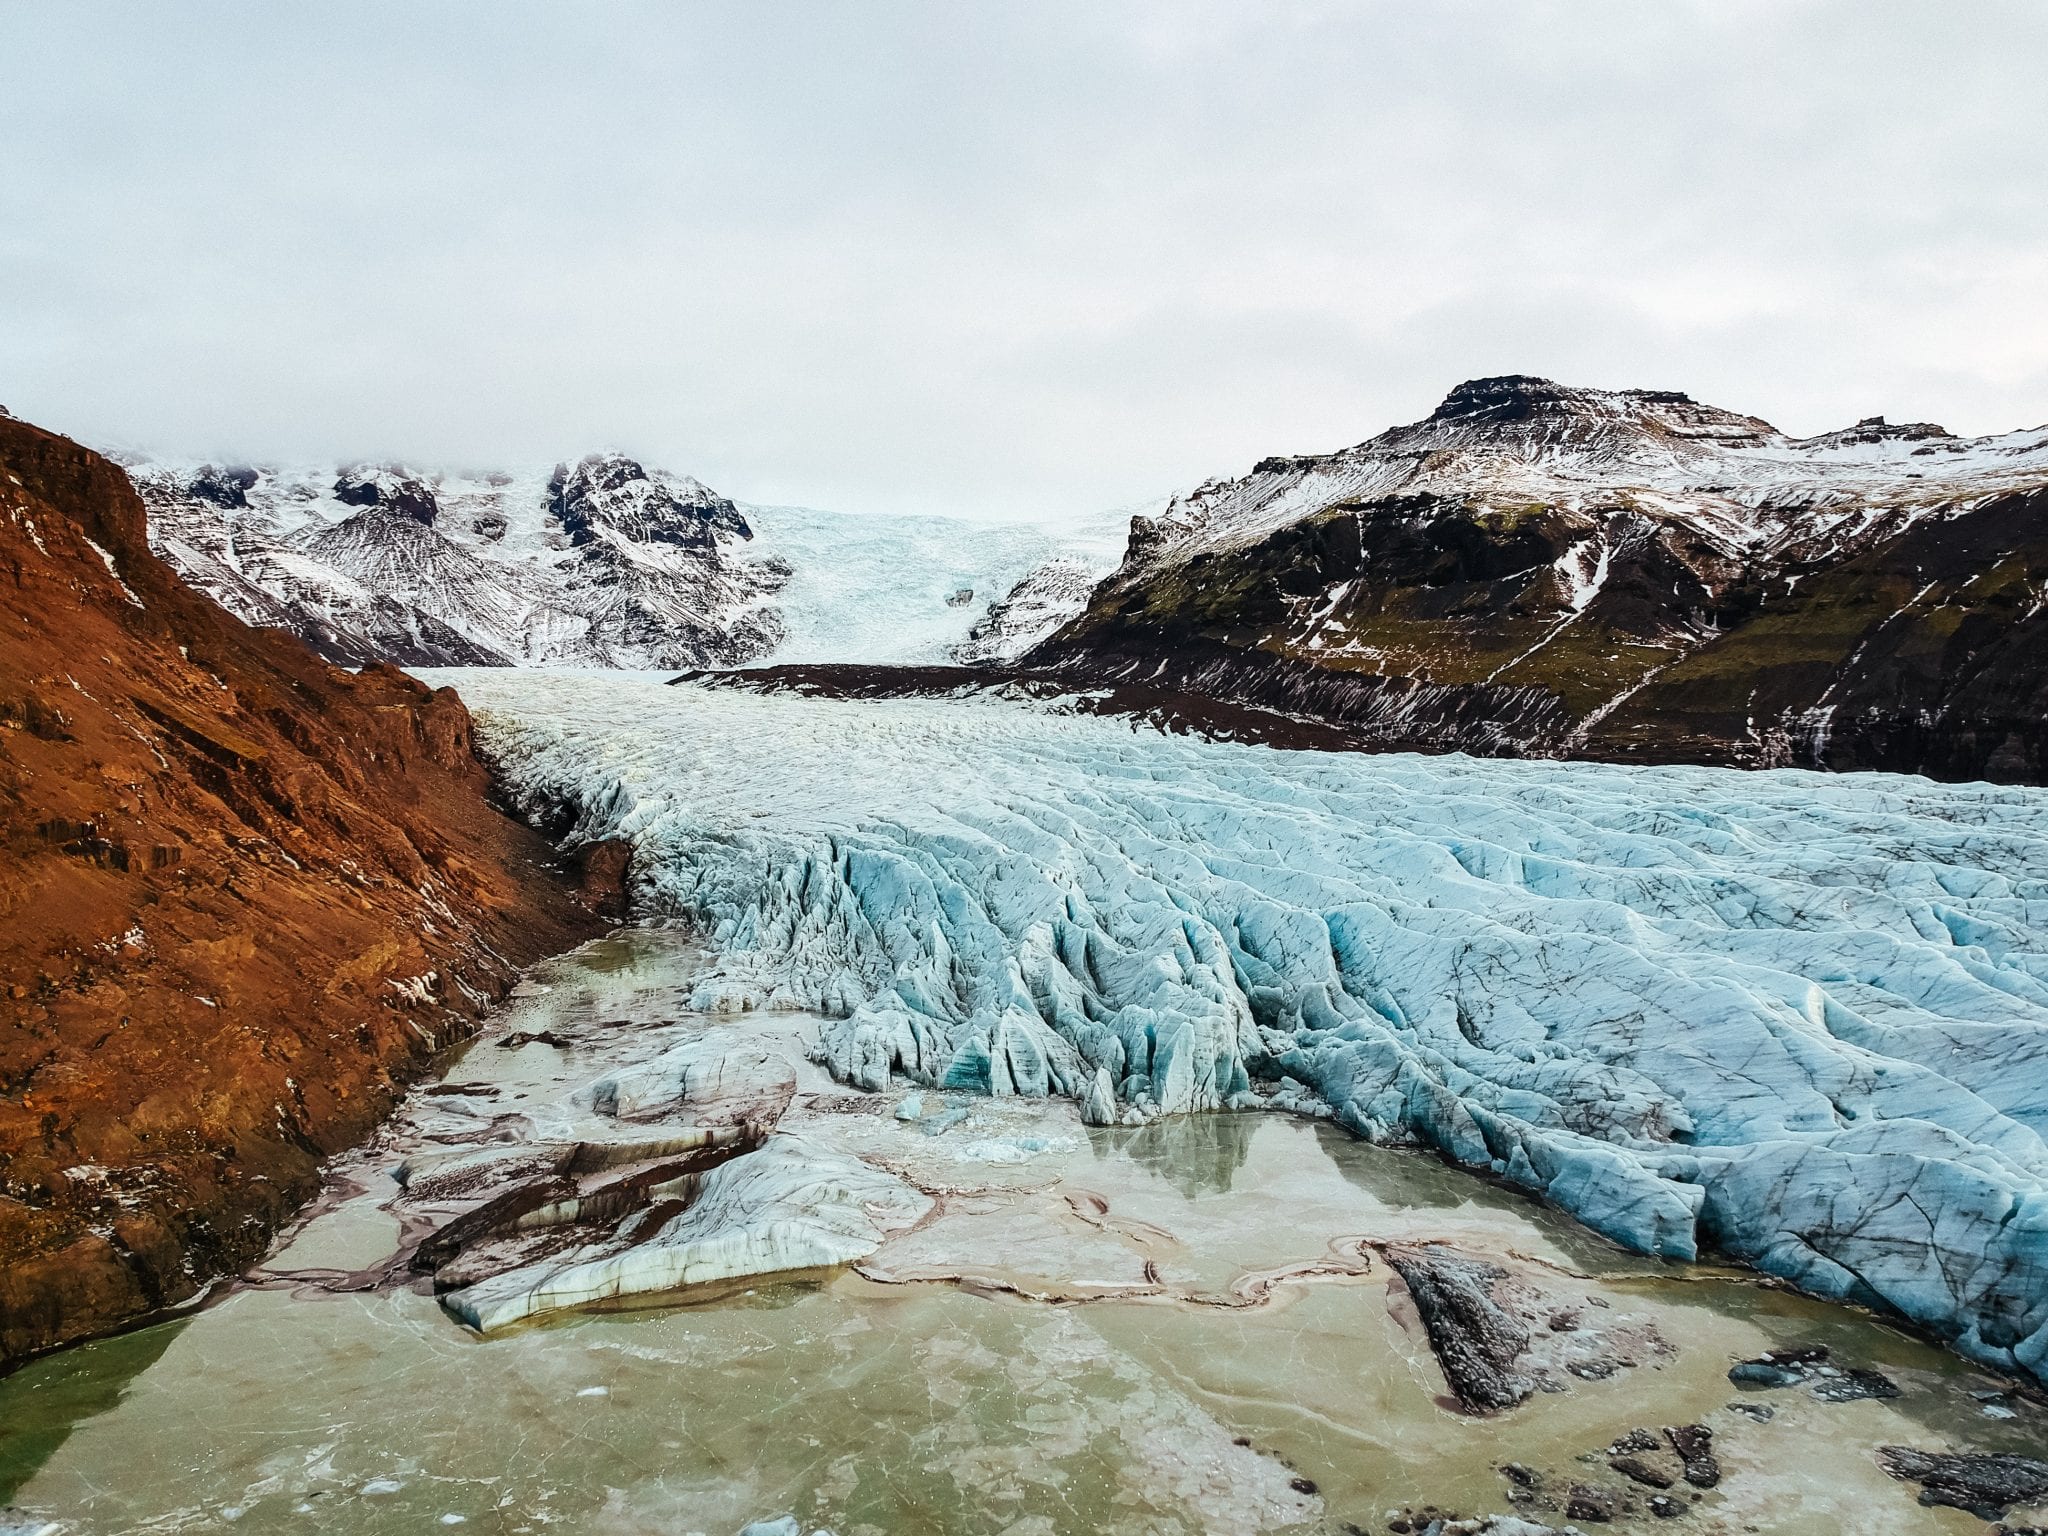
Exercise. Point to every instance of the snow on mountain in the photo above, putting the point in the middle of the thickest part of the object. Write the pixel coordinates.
(1509, 442)
(600, 564)
(1801, 1020)
(606, 564)
(1539, 569)
(1040, 603)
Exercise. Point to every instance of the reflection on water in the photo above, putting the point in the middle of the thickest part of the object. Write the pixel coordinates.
(1176, 1399)
(46, 1399)
(1198, 1155)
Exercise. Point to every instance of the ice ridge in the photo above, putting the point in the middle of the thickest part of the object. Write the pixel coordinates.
(1799, 1019)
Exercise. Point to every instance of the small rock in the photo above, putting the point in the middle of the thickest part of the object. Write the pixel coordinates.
(1854, 1385)
(1589, 1503)
(1761, 1373)
(1639, 1471)
(1665, 1509)
(1695, 1446)
(1763, 1413)
(1780, 1367)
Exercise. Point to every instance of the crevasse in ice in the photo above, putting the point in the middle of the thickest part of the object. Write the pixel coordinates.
(1796, 1018)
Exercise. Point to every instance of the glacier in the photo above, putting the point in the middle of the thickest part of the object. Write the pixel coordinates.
(912, 589)
(1798, 1019)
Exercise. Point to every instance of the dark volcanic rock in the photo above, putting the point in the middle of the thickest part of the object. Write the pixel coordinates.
(1761, 1373)
(1986, 1486)
(215, 957)
(227, 487)
(1694, 1444)
(1636, 1470)
(1809, 1364)
(1853, 1386)
(392, 489)
(1478, 1343)
(1587, 1502)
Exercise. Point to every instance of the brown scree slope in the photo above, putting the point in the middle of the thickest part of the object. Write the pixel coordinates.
(244, 895)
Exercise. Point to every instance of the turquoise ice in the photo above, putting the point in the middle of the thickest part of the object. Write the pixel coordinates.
(1799, 1019)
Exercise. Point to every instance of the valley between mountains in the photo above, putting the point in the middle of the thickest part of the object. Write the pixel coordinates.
(1533, 570)
(1364, 996)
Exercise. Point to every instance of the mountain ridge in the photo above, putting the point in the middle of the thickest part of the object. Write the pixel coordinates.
(1537, 569)
(602, 562)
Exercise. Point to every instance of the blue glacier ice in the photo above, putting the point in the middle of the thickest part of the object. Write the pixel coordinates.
(1799, 1019)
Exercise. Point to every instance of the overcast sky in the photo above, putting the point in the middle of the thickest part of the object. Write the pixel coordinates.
(1026, 258)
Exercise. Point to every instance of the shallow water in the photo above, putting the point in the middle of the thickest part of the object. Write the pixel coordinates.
(1177, 1328)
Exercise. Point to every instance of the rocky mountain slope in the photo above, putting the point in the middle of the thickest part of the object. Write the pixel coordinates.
(1049, 596)
(245, 895)
(603, 564)
(1536, 569)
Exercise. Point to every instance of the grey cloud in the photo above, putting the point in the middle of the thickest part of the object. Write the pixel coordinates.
(1002, 260)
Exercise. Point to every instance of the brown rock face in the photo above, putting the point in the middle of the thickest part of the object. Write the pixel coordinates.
(244, 896)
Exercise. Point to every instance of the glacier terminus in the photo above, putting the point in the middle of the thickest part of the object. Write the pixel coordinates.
(1794, 1019)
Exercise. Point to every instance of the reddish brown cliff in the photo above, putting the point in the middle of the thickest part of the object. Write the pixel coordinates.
(243, 896)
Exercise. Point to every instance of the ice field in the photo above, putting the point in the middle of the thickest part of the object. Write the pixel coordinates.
(1797, 1019)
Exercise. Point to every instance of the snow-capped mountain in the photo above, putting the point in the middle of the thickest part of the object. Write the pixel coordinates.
(1509, 444)
(1541, 569)
(606, 563)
